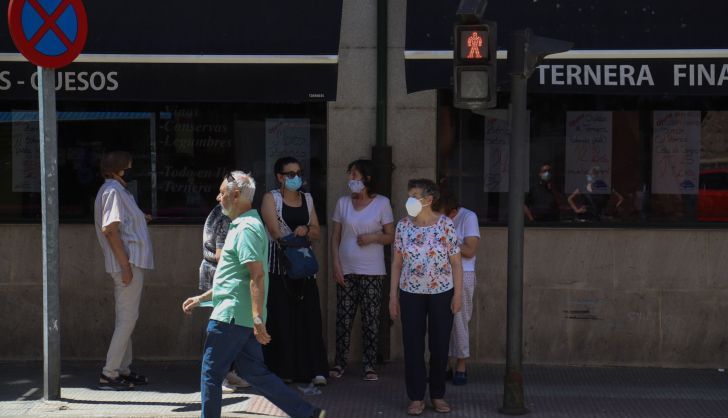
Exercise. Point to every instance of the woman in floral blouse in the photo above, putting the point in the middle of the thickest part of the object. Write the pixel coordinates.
(426, 290)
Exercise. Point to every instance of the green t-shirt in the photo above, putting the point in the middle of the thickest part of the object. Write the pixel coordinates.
(246, 241)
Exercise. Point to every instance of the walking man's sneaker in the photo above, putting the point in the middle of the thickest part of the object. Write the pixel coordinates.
(114, 383)
(234, 380)
(319, 380)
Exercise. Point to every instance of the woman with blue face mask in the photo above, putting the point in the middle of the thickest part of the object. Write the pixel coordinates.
(296, 351)
(425, 291)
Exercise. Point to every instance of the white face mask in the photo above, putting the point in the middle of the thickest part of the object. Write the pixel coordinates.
(356, 186)
(413, 206)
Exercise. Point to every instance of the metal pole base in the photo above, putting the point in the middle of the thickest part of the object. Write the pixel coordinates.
(513, 411)
(513, 394)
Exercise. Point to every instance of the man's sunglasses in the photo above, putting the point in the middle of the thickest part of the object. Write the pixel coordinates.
(291, 174)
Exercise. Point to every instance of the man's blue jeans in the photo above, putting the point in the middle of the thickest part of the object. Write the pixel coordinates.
(226, 343)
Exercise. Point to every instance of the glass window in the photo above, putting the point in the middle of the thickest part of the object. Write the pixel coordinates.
(594, 160)
(181, 152)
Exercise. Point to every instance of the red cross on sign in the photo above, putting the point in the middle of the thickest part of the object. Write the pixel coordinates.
(49, 33)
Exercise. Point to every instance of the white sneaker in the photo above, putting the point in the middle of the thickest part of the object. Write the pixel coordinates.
(319, 381)
(227, 387)
(234, 380)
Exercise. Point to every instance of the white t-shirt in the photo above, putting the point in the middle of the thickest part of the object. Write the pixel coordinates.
(466, 225)
(369, 259)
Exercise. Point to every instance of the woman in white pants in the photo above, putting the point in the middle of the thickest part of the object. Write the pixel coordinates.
(121, 228)
(468, 232)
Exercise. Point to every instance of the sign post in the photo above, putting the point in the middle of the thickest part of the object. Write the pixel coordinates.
(50, 35)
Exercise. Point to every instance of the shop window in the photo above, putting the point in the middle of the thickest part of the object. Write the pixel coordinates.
(181, 153)
(611, 160)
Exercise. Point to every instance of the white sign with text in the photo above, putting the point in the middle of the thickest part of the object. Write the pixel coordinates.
(497, 150)
(675, 152)
(588, 149)
(26, 157)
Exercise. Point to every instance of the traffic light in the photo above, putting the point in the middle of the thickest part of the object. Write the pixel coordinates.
(475, 66)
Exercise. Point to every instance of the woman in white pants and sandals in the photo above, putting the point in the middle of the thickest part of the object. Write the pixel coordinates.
(121, 228)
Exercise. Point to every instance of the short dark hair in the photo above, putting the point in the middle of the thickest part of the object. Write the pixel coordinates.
(428, 187)
(366, 169)
(447, 202)
(114, 161)
(282, 162)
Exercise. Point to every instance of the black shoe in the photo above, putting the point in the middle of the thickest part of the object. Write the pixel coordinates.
(318, 413)
(111, 383)
(134, 378)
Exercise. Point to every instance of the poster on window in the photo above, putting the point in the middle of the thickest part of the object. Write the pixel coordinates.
(675, 152)
(497, 154)
(26, 157)
(588, 152)
(287, 138)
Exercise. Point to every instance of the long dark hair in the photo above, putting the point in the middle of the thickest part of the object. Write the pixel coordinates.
(366, 169)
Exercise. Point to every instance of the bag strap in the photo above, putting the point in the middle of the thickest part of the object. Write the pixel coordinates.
(278, 199)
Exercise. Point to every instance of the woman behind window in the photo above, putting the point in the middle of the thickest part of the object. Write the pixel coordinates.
(296, 351)
(362, 225)
(426, 290)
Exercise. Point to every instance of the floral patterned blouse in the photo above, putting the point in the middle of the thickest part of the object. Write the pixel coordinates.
(426, 252)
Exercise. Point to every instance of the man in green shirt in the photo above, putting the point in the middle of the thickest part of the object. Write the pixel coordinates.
(237, 324)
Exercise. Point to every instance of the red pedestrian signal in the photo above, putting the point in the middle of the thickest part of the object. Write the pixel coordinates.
(474, 73)
(475, 45)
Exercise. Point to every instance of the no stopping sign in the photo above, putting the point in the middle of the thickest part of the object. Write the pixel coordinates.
(49, 33)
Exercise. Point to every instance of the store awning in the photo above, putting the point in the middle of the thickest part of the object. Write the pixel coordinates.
(621, 46)
(192, 50)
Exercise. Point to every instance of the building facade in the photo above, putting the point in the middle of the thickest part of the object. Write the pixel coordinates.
(640, 105)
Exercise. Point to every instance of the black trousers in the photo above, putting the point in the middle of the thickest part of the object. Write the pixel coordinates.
(422, 315)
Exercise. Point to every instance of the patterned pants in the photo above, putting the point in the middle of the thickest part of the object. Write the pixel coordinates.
(460, 338)
(364, 291)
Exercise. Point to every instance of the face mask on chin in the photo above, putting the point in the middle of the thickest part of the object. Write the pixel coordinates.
(546, 176)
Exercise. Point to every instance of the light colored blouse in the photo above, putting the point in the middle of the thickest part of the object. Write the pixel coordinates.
(426, 252)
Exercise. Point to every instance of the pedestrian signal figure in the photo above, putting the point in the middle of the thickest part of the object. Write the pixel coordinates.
(475, 42)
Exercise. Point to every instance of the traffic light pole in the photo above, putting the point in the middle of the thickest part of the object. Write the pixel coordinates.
(524, 55)
(513, 383)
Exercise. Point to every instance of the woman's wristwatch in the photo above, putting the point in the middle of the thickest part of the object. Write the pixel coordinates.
(257, 320)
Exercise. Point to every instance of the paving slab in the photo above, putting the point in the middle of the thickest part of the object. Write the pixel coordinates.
(550, 391)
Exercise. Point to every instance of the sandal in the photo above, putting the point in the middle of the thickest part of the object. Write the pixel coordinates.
(336, 372)
(416, 408)
(440, 406)
(134, 378)
(370, 375)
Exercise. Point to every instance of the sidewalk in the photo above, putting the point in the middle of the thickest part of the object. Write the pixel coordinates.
(550, 392)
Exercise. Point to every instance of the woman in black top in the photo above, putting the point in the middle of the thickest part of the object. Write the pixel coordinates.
(296, 351)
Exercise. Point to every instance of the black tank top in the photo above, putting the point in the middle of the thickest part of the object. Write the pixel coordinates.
(295, 216)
